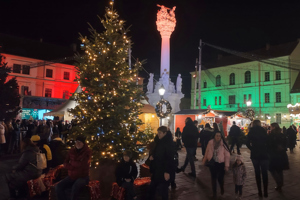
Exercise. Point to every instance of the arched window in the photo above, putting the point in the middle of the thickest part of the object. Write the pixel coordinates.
(218, 81)
(232, 79)
(247, 77)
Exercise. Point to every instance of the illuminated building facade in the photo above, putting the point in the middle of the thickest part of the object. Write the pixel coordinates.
(231, 81)
(44, 84)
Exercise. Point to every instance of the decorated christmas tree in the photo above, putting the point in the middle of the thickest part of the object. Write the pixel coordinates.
(109, 105)
(10, 98)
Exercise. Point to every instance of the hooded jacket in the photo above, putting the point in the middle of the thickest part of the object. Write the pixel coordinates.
(257, 142)
(126, 170)
(163, 157)
(190, 135)
(24, 171)
(78, 162)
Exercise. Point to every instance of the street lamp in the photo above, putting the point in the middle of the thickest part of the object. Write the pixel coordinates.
(249, 103)
(161, 91)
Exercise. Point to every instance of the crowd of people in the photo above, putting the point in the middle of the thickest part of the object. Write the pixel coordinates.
(268, 146)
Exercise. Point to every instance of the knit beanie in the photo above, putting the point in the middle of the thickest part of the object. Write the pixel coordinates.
(35, 138)
(81, 138)
(239, 157)
(127, 153)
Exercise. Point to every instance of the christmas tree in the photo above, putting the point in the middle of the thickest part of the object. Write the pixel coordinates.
(109, 105)
(10, 98)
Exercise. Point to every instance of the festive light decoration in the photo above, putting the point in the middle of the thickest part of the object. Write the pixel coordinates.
(163, 108)
(250, 113)
(108, 107)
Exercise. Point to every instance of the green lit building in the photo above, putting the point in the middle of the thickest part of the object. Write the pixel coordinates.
(270, 84)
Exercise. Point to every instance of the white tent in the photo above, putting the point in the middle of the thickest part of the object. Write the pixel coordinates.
(62, 111)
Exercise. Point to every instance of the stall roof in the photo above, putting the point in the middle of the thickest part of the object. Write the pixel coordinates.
(202, 111)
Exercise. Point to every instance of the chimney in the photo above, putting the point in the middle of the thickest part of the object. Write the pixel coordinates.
(74, 47)
(267, 46)
(220, 56)
(41, 40)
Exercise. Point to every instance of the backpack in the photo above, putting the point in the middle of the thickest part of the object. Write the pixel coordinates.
(41, 161)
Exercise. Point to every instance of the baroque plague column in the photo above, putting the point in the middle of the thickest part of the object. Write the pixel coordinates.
(166, 23)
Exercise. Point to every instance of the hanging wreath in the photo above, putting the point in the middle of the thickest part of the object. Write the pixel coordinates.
(163, 108)
(250, 113)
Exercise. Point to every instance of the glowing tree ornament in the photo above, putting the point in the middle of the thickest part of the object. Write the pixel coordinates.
(165, 23)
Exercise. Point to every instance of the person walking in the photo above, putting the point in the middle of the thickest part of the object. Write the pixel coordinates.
(44, 148)
(234, 134)
(78, 165)
(291, 137)
(161, 163)
(178, 138)
(205, 135)
(217, 158)
(239, 176)
(15, 137)
(30, 130)
(190, 139)
(278, 157)
(257, 142)
(126, 173)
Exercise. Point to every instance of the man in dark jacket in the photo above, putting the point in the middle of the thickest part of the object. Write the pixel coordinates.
(15, 137)
(235, 133)
(30, 130)
(59, 151)
(78, 165)
(205, 135)
(190, 139)
(162, 163)
(257, 142)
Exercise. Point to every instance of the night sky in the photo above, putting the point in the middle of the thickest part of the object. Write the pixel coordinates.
(238, 25)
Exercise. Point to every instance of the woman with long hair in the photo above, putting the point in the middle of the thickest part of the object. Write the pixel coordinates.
(257, 142)
(278, 157)
(217, 154)
(178, 138)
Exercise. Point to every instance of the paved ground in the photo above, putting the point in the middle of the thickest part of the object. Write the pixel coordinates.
(200, 188)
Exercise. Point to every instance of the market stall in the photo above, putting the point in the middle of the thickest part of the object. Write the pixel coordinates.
(203, 116)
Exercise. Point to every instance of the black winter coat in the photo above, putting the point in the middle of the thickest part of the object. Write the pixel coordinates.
(235, 131)
(59, 152)
(291, 137)
(257, 142)
(163, 158)
(190, 135)
(206, 135)
(126, 170)
(24, 171)
(277, 151)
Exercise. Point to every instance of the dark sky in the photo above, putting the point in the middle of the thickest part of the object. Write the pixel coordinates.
(238, 25)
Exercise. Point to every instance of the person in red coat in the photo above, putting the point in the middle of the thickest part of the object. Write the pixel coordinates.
(78, 165)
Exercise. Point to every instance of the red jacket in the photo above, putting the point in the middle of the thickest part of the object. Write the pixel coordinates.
(78, 162)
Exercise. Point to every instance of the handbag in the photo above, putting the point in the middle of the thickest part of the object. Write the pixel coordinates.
(210, 163)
